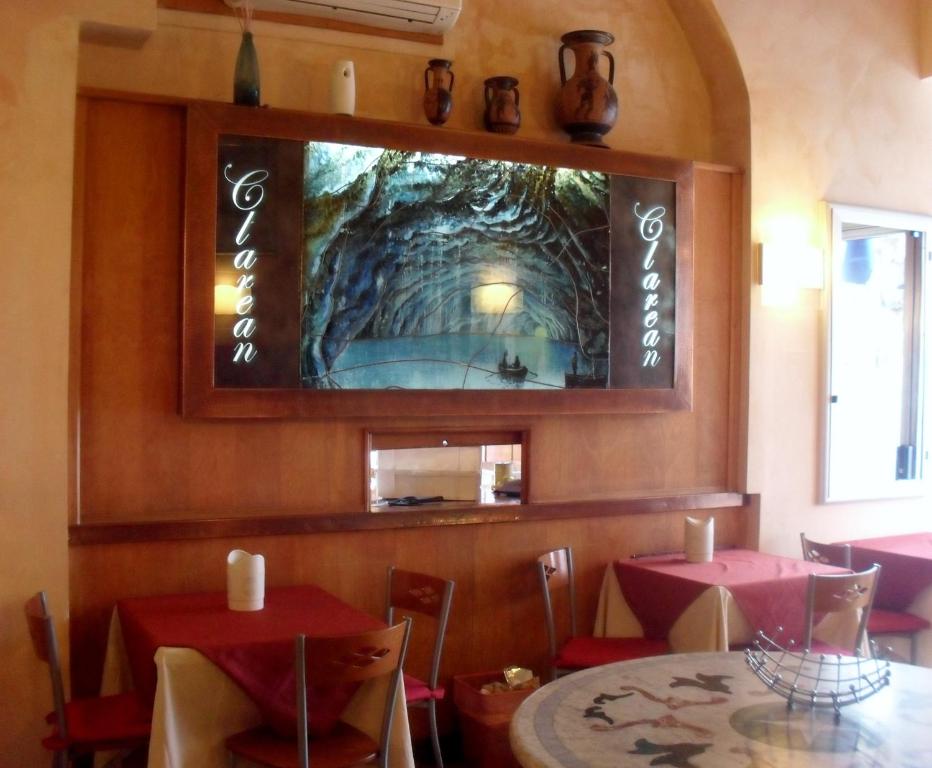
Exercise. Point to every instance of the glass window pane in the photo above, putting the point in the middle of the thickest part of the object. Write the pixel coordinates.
(872, 361)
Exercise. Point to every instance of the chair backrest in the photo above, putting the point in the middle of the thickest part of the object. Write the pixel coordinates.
(836, 592)
(344, 659)
(555, 572)
(45, 643)
(412, 592)
(828, 554)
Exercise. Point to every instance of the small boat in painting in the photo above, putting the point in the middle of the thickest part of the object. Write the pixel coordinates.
(512, 372)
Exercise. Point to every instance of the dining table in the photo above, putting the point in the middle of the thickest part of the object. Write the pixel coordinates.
(715, 605)
(905, 578)
(211, 672)
(709, 710)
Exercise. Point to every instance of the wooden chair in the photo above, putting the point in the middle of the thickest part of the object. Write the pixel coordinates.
(411, 592)
(332, 662)
(882, 623)
(556, 573)
(837, 592)
(118, 723)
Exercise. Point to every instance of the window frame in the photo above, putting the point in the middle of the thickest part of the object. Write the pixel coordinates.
(919, 337)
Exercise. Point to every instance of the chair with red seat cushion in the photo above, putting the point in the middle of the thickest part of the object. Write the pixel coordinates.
(332, 663)
(881, 623)
(410, 592)
(118, 723)
(556, 573)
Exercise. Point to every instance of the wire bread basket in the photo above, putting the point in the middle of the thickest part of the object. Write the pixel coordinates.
(815, 679)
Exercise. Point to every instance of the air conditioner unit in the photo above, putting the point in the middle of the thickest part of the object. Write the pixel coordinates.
(430, 16)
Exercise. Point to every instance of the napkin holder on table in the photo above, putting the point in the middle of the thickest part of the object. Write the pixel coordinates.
(245, 581)
(700, 539)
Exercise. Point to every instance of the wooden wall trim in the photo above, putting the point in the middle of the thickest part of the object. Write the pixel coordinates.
(208, 122)
(109, 533)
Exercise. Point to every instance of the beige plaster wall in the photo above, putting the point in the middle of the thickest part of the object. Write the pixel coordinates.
(839, 113)
(39, 44)
(192, 55)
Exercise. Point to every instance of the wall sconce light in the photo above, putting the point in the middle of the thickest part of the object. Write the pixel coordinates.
(226, 297)
(791, 266)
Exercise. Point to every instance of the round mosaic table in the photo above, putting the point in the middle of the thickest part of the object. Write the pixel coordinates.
(709, 710)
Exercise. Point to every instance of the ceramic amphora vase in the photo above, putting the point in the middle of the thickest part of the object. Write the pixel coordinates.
(438, 91)
(501, 105)
(588, 106)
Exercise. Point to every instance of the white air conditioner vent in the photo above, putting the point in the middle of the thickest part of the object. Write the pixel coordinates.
(430, 16)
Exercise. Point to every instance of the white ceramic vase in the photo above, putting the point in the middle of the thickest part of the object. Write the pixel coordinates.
(700, 539)
(343, 88)
(245, 581)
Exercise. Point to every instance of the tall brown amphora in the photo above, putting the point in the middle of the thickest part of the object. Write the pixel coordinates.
(438, 90)
(588, 106)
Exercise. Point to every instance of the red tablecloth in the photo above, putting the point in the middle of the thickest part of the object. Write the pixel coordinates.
(906, 563)
(769, 590)
(255, 648)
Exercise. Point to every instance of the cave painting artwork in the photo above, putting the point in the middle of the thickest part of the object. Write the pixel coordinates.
(345, 267)
(430, 271)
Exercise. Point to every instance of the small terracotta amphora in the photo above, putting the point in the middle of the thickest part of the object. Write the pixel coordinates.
(501, 105)
(438, 91)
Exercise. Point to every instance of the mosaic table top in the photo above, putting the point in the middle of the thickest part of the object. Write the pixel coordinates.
(709, 710)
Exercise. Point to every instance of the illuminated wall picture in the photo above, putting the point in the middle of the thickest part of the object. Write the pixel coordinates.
(343, 267)
(348, 267)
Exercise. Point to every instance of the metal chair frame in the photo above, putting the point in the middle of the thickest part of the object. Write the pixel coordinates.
(828, 554)
(555, 570)
(45, 643)
(332, 661)
(431, 596)
(836, 592)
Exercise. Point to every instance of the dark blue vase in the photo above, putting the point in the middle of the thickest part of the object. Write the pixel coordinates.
(246, 75)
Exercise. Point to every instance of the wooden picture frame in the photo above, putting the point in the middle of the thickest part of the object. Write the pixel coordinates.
(201, 398)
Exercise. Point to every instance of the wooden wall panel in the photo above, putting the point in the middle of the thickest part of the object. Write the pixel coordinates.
(139, 460)
(497, 610)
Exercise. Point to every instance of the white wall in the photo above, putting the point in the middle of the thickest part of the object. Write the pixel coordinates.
(839, 113)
